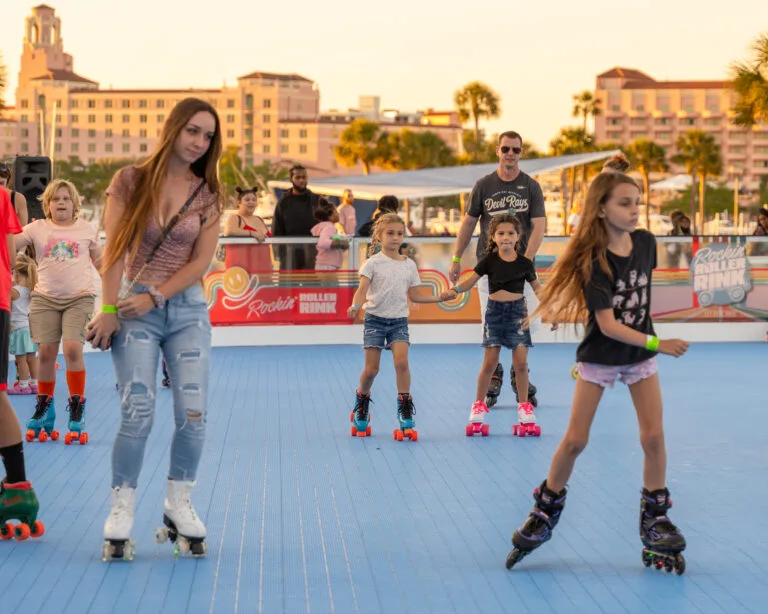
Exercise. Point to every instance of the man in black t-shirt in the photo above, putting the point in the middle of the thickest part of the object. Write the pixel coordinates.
(294, 217)
(506, 190)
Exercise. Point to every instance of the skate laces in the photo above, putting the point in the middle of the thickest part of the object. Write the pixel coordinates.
(361, 406)
(41, 407)
(526, 408)
(406, 407)
(479, 408)
(75, 408)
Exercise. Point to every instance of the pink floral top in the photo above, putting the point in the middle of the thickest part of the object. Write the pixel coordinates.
(176, 250)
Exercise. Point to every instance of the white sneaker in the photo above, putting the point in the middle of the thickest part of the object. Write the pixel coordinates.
(478, 411)
(179, 510)
(525, 413)
(120, 520)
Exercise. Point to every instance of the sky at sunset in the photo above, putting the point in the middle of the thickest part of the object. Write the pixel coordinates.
(412, 53)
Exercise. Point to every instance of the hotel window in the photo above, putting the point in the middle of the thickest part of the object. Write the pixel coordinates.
(687, 104)
(91, 119)
(230, 103)
(161, 104)
(24, 119)
(712, 121)
(126, 148)
(143, 148)
(230, 134)
(687, 121)
(142, 119)
(125, 104)
(75, 147)
(24, 104)
(663, 136)
(160, 118)
(73, 104)
(58, 118)
(302, 149)
(143, 134)
(24, 132)
(58, 147)
(615, 107)
(760, 164)
(108, 104)
(265, 119)
(266, 149)
(267, 134)
(267, 103)
(737, 149)
(302, 134)
(91, 147)
(739, 136)
(248, 148)
(73, 119)
(75, 133)
(126, 119)
(58, 133)
(230, 119)
(142, 104)
(615, 121)
(108, 118)
(91, 134)
(283, 148)
(126, 132)
(25, 147)
(108, 147)
(108, 133)
(637, 121)
(713, 104)
(661, 121)
(284, 133)
(91, 103)
(249, 101)
(761, 150)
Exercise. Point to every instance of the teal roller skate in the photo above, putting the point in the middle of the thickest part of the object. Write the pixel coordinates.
(360, 416)
(77, 433)
(18, 501)
(40, 425)
(405, 412)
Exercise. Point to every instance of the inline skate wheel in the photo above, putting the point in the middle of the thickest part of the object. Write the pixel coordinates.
(490, 400)
(514, 557)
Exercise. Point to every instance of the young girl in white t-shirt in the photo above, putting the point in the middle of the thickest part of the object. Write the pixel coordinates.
(21, 344)
(387, 280)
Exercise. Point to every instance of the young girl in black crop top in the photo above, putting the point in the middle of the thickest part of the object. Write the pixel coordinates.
(505, 319)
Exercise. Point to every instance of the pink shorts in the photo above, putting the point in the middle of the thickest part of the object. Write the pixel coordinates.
(605, 375)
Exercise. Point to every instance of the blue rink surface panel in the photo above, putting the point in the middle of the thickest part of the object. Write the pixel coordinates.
(302, 517)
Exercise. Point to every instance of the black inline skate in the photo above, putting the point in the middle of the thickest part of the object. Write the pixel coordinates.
(494, 388)
(538, 528)
(532, 390)
(662, 540)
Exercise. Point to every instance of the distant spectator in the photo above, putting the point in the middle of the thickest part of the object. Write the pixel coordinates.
(762, 222)
(245, 223)
(681, 224)
(347, 214)
(18, 200)
(294, 217)
(386, 204)
(330, 246)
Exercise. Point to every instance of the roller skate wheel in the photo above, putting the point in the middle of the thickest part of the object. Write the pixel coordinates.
(55, 435)
(353, 430)
(514, 557)
(490, 400)
(470, 430)
(412, 434)
(485, 430)
(182, 546)
(43, 436)
(83, 438)
(398, 435)
(30, 436)
(38, 529)
(22, 532)
(679, 565)
(362, 434)
(368, 431)
(67, 439)
(106, 552)
(536, 430)
(161, 535)
(7, 530)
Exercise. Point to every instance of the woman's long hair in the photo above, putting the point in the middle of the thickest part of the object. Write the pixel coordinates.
(562, 297)
(151, 175)
(26, 266)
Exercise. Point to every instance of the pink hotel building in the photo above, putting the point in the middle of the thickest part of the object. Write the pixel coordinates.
(266, 116)
(636, 106)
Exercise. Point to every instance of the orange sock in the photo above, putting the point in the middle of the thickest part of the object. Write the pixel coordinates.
(46, 388)
(76, 383)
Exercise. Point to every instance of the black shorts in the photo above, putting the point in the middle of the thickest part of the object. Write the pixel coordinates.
(5, 344)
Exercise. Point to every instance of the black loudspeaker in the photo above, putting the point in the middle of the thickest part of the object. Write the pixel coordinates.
(31, 175)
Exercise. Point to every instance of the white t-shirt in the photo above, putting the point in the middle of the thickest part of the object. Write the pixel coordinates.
(20, 308)
(390, 281)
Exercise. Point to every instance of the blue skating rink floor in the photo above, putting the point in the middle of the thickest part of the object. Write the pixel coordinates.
(303, 518)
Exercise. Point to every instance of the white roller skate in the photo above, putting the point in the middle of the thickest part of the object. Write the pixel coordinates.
(526, 421)
(117, 529)
(182, 524)
(476, 417)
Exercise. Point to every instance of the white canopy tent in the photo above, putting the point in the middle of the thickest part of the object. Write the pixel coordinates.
(444, 181)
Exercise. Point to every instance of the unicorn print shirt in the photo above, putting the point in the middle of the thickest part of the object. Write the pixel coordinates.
(63, 253)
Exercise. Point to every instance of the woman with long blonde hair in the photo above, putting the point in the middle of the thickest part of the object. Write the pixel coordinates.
(162, 227)
(605, 275)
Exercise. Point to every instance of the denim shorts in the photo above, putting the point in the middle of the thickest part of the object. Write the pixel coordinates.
(504, 323)
(383, 332)
(605, 375)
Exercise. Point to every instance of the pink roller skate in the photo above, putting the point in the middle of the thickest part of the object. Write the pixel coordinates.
(526, 421)
(476, 417)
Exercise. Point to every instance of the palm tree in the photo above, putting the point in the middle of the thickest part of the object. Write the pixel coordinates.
(647, 157)
(359, 144)
(409, 150)
(530, 151)
(700, 155)
(584, 106)
(476, 101)
(571, 141)
(750, 82)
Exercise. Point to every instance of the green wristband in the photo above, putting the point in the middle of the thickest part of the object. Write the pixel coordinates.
(652, 343)
(108, 309)
(456, 259)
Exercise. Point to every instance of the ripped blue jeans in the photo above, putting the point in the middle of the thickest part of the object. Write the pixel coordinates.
(182, 330)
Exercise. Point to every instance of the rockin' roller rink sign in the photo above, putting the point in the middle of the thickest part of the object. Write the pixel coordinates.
(720, 274)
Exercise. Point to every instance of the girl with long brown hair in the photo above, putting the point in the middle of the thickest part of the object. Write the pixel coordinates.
(605, 275)
(162, 227)
(22, 346)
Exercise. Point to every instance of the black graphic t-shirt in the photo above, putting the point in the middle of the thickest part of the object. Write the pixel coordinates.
(492, 196)
(629, 294)
(503, 275)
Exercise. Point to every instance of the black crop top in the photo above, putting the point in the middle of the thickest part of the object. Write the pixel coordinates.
(509, 276)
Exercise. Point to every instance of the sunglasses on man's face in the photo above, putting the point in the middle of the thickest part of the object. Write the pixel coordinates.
(515, 150)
